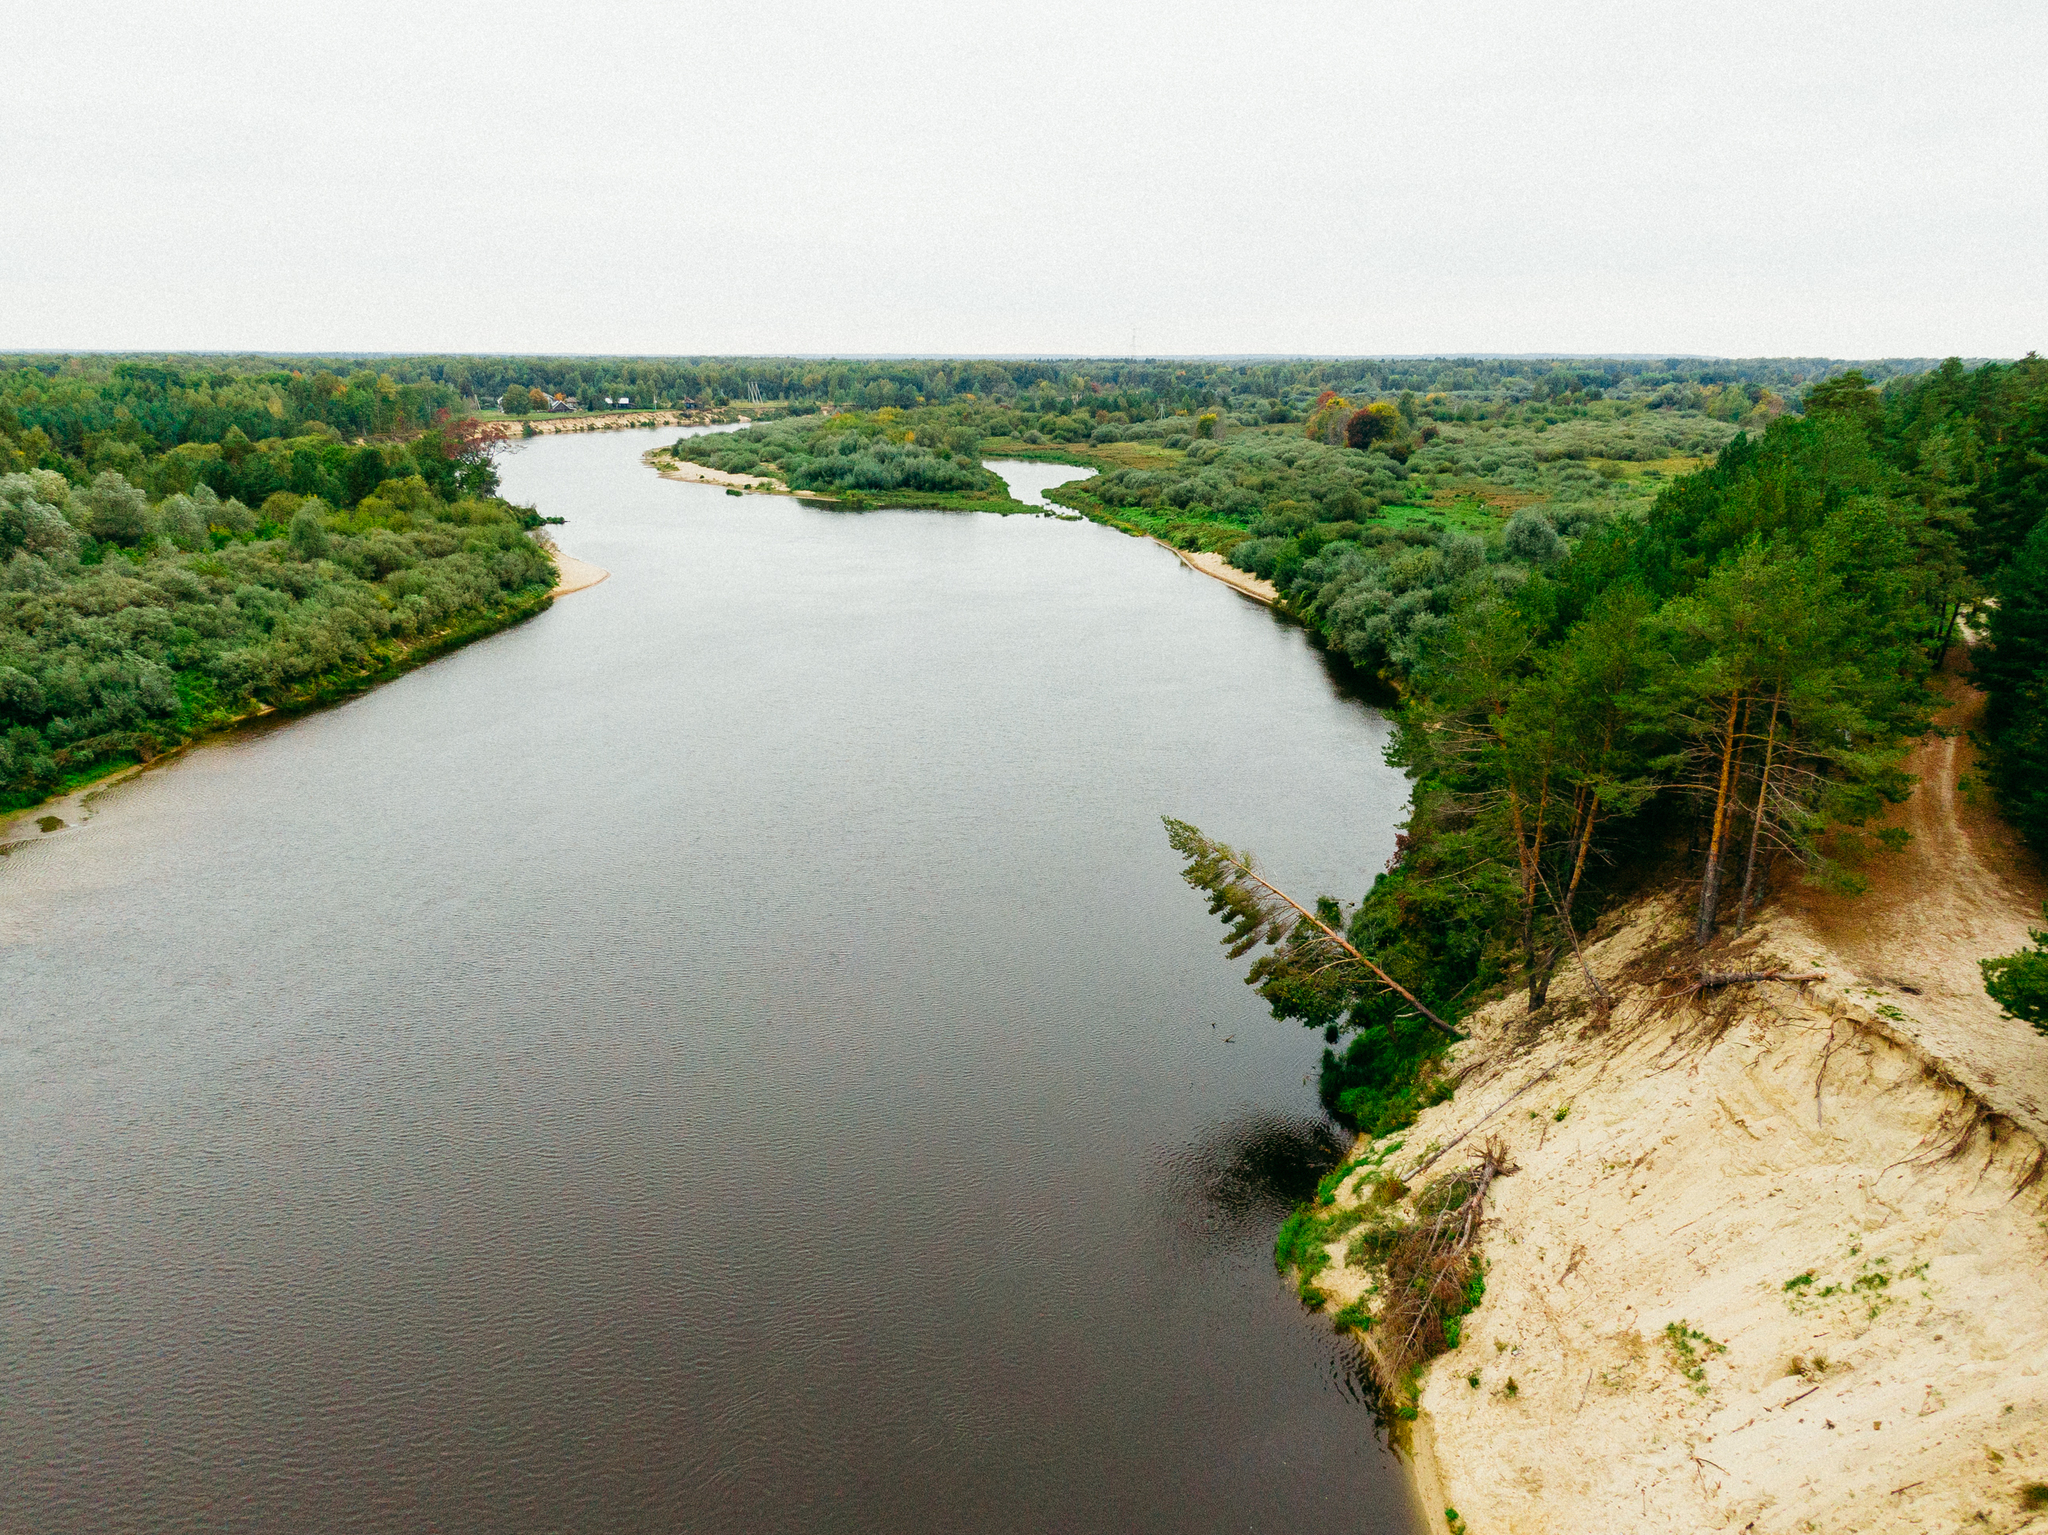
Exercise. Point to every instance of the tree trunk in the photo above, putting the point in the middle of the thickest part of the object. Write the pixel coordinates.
(1756, 825)
(1948, 630)
(1348, 947)
(1710, 885)
(1539, 991)
(1529, 852)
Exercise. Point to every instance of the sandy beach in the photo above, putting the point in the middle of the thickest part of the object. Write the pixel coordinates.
(1220, 569)
(682, 469)
(64, 813)
(611, 421)
(575, 574)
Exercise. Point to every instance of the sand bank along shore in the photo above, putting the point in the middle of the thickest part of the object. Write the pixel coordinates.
(1218, 568)
(1212, 565)
(1774, 1257)
(615, 421)
(575, 575)
(62, 814)
(683, 469)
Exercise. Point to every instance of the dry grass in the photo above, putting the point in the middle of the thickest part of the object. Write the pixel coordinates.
(1633, 469)
(1103, 455)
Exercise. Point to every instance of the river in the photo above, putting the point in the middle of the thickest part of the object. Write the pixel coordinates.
(731, 1054)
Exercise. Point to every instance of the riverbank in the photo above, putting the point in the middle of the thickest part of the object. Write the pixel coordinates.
(574, 575)
(71, 804)
(1768, 1257)
(1205, 562)
(612, 421)
(670, 468)
(1219, 569)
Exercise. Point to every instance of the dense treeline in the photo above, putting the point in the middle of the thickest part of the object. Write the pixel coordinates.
(930, 452)
(1216, 479)
(152, 587)
(1721, 686)
(1378, 546)
(1284, 388)
(150, 407)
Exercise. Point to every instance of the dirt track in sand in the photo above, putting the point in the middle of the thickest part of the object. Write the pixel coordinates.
(1962, 890)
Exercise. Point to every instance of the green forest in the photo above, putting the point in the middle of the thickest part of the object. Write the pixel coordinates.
(1713, 686)
(179, 550)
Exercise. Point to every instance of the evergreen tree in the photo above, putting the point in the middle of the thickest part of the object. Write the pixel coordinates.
(2013, 670)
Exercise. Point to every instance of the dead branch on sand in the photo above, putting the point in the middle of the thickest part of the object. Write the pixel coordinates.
(1713, 979)
(1432, 1269)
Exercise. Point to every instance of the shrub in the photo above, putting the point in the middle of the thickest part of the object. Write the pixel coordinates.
(1530, 538)
(2019, 982)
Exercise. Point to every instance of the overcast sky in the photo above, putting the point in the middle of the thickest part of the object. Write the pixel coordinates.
(1855, 180)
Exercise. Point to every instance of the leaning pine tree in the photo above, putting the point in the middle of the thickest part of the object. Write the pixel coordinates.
(1309, 949)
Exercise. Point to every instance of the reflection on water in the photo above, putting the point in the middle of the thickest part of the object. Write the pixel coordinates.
(1250, 1172)
(711, 1058)
(1230, 1190)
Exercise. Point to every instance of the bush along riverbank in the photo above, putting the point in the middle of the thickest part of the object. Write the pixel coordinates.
(921, 459)
(1650, 778)
(1211, 467)
(143, 602)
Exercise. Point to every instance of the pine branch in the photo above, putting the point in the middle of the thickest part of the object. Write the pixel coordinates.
(1255, 910)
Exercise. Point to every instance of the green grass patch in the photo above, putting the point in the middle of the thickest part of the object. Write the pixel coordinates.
(1690, 1349)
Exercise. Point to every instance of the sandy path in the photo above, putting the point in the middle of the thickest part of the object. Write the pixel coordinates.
(1964, 889)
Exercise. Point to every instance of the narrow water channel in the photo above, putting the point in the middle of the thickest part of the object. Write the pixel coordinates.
(731, 1054)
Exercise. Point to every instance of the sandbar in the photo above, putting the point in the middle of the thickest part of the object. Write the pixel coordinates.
(575, 575)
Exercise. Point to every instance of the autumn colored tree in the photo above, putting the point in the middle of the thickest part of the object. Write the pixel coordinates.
(1376, 422)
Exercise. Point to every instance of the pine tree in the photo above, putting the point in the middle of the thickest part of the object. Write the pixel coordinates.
(2013, 670)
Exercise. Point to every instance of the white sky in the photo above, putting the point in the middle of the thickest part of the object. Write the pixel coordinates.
(1853, 180)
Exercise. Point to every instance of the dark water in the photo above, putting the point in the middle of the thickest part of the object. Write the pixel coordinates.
(732, 1054)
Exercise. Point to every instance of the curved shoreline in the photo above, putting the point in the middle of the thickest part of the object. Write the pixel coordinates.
(334, 690)
(699, 474)
(1202, 561)
(1217, 568)
(575, 575)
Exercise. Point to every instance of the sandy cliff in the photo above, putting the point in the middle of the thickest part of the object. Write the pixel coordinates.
(1776, 1256)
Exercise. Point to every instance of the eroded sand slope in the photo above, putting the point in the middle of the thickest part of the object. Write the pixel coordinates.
(1835, 1192)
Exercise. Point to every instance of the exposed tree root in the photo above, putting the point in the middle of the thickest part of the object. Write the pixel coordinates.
(1714, 979)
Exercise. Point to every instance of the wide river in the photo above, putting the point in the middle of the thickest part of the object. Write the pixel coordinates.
(731, 1054)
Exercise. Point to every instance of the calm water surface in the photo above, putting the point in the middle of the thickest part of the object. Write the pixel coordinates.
(732, 1054)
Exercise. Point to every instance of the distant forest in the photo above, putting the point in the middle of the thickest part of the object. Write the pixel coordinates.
(74, 394)
(185, 539)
